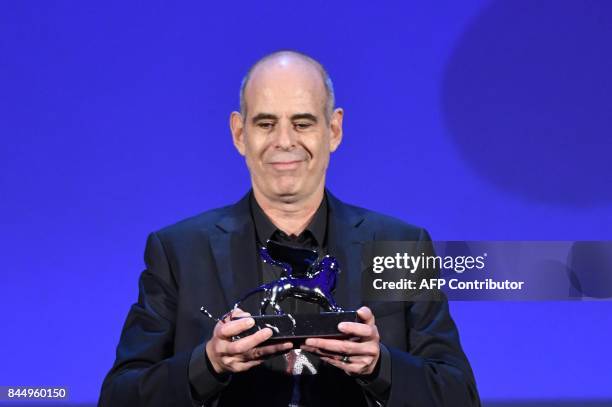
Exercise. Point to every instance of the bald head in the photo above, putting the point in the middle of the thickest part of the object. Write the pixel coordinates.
(288, 63)
(287, 130)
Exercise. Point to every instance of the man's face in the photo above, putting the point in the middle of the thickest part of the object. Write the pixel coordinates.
(285, 136)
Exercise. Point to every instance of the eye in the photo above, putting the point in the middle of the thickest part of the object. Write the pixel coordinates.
(265, 125)
(302, 125)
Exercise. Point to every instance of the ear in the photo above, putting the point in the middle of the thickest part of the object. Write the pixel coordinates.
(336, 129)
(237, 128)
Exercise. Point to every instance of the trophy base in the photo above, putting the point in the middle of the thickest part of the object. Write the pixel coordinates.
(298, 327)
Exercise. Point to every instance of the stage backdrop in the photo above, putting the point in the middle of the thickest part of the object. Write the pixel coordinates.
(476, 119)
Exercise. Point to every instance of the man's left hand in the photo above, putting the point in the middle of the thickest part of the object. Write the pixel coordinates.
(358, 354)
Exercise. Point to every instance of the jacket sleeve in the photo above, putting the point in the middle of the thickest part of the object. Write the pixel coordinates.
(146, 371)
(433, 371)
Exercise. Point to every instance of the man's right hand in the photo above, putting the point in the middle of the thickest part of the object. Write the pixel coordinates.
(227, 356)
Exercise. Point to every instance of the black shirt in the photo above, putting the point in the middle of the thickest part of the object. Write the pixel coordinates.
(313, 237)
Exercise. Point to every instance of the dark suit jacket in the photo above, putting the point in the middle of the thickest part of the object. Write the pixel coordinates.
(210, 260)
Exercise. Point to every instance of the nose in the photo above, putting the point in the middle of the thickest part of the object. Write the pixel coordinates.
(285, 136)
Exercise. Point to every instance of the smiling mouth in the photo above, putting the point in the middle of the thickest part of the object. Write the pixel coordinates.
(286, 165)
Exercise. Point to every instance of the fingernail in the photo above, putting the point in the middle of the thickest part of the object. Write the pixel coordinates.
(310, 342)
(342, 325)
(250, 322)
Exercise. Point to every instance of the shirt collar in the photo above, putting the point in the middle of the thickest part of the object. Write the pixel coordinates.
(264, 228)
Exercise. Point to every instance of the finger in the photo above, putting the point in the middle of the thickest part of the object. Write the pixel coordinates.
(260, 352)
(349, 368)
(320, 352)
(228, 316)
(237, 313)
(249, 342)
(356, 329)
(233, 313)
(233, 328)
(347, 347)
(365, 314)
(335, 345)
(363, 360)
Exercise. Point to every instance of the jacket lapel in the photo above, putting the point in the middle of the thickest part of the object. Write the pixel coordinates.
(235, 253)
(347, 232)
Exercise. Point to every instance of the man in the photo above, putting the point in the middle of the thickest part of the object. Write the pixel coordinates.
(170, 355)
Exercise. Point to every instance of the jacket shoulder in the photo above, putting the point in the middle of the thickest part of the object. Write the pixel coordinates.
(388, 227)
(185, 228)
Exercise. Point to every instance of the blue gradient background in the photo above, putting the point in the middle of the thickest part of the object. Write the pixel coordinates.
(476, 119)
